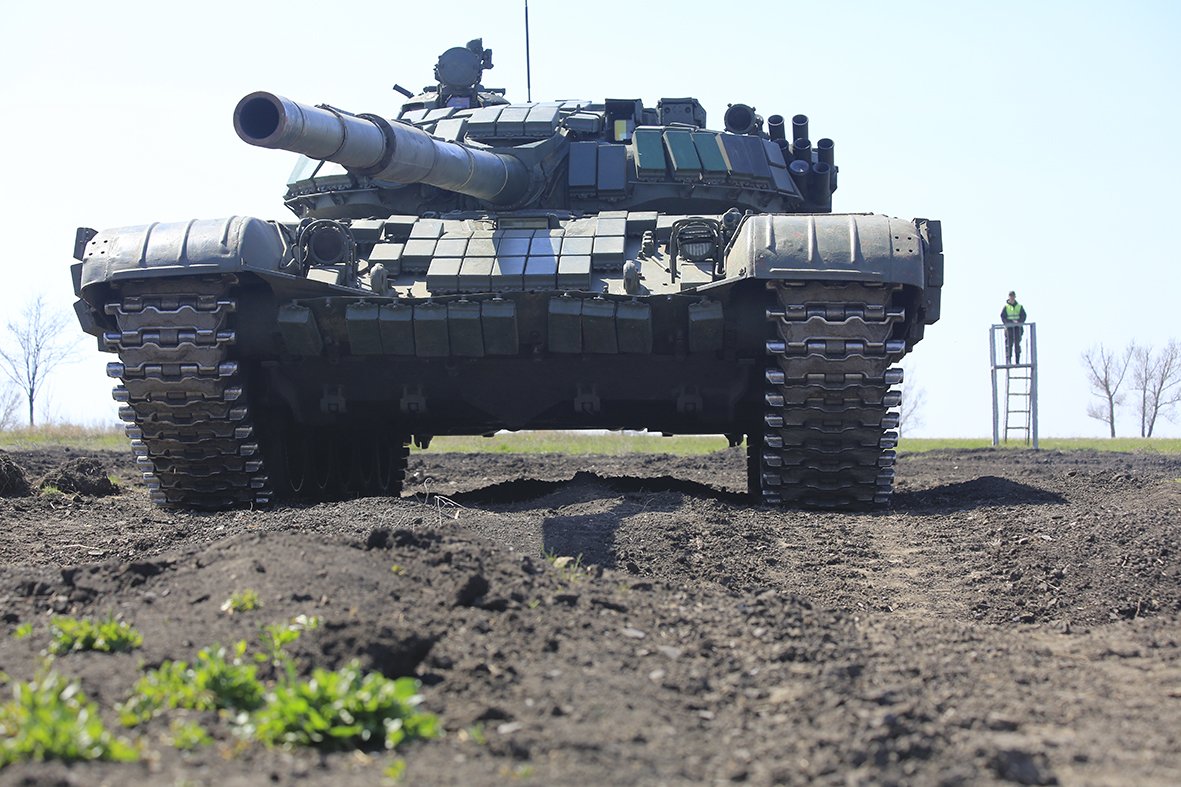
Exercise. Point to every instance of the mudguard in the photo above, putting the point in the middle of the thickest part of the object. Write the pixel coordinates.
(183, 248)
(838, 247)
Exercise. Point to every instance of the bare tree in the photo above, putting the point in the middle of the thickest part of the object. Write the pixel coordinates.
(914, 399)
(1106, 370)
(1156, 379)
(10, 402)
(36, 347)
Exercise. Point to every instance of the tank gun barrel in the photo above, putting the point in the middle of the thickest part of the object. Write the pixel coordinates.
(369, 145)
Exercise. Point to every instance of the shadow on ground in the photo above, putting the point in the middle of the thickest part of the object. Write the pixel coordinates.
(979, 492)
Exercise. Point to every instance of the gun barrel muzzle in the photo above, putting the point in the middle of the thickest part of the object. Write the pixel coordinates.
(369, 145)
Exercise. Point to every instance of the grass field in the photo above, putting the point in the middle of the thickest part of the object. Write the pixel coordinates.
(612, 444)
(583, 443)
(86, 437)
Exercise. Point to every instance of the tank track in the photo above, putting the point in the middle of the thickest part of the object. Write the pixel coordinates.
(827, 407)
(197, 440)
(183, 398)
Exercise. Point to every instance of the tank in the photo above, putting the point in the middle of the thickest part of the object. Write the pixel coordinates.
(474, 265)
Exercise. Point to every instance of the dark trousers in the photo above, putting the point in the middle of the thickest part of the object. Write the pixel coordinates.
(1013, 336)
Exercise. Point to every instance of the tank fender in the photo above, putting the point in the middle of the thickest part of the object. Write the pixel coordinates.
(184, 248)
(843, 246)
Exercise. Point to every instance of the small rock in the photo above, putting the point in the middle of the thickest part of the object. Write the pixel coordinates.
(1022, 767)
(633, 633)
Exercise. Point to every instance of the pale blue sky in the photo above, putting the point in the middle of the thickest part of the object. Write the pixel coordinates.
(1043, 134)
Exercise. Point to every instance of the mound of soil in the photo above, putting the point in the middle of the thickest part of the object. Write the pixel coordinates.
(81, 476)
(13, 482)
(1013, 619)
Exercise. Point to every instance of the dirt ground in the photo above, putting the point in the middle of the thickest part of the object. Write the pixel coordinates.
(1013, 618)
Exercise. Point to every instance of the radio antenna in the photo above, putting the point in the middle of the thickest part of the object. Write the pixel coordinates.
(528, 75)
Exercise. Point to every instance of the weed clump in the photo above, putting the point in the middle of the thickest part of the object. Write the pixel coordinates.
(344, 708)
(188, 735)
(570, 569)
(242, 601)
(106, 636)
(332, 709)
(50, 718)
(219, 678)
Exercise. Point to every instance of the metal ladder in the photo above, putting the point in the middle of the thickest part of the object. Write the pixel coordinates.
(1019, 417)
(1019, 403)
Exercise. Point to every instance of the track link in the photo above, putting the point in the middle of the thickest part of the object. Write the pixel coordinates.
(828, 401)
(188, 418)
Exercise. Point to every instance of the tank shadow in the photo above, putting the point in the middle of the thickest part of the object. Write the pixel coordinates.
(523, 490)
(588, 537)
(977, 493)
(591, 537)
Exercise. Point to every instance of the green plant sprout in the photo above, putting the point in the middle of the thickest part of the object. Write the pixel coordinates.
(242, 601)
(108, 635)
(50, 718)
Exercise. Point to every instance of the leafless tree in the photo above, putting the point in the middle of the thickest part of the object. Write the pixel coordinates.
(1156, 381)
(10, 402)
(36, 346)
(914, 399)
(1106, 370)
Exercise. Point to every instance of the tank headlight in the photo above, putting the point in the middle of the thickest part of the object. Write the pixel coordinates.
(698, 250)
(696, 240)
(326, 242)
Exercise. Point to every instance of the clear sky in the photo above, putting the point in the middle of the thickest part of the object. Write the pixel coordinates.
(1045, 135)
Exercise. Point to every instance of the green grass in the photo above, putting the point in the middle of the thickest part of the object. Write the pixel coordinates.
(72, 635)
(570, 569)
(1151, 445)
(617, 444)
(109, 438)
(587, 443)
(583, 443)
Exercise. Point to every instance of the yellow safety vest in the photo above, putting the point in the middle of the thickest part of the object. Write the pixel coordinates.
(1012, 311)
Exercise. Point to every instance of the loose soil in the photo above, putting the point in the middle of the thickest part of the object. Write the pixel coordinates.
(1013, 618)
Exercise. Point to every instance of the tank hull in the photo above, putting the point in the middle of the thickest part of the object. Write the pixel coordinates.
(247, 376)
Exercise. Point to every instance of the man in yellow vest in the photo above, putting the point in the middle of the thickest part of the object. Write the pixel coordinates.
(1013, 317)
